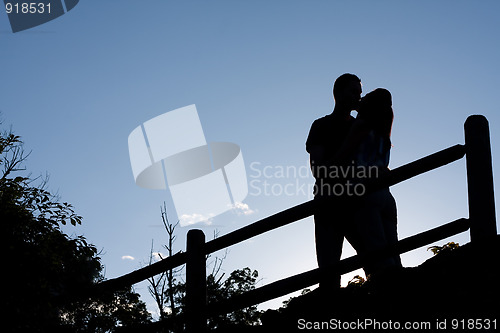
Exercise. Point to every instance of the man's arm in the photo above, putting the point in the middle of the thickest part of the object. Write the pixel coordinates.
(317, 159)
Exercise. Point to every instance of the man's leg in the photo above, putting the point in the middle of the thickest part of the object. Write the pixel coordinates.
(329, 241)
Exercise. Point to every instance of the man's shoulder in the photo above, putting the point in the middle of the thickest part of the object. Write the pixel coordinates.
(320, 122)
(332, 119)
(323, 119)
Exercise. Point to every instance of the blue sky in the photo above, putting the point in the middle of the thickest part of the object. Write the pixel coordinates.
(260, 73)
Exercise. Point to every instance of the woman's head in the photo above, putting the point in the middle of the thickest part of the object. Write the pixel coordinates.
(380, 98)
(376, 108)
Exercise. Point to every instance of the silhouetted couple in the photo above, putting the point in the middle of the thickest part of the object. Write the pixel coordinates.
(345, 154)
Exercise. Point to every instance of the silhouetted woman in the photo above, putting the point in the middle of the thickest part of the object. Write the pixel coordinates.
(374, 216)
(376, 219)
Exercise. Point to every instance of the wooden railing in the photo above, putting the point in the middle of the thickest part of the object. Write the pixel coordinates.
(481, 221)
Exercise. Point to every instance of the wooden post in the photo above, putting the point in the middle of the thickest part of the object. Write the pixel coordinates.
(196, 285)
(483, 225)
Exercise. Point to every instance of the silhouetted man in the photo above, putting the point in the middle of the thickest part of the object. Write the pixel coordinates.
(326, 136)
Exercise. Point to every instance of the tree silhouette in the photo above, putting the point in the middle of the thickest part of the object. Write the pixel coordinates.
(168, 289)
(161, 286)
(46, 271)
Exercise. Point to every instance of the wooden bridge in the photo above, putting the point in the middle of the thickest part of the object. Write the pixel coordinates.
(481, 223)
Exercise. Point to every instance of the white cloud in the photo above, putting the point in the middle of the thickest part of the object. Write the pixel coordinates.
(242, 209)
(207, 219)
(189, 219)
(128, 258)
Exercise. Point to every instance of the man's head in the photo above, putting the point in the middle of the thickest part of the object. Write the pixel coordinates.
(347, 91)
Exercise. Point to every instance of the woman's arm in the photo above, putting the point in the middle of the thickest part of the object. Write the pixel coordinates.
(358, 132)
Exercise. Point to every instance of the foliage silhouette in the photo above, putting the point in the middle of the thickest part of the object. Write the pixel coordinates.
(47, 270)
(446, 248)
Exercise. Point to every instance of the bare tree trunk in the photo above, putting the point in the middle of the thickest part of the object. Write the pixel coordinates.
(157, 286)
(170, 228)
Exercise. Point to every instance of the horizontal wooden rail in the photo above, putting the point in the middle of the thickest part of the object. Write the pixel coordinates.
(283, 218)
(309, 278)
(306, 209)
(269, 223)
(425, 164)
(144, 273)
